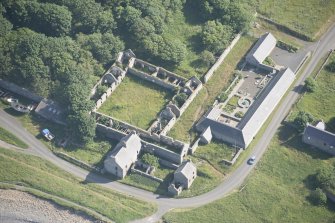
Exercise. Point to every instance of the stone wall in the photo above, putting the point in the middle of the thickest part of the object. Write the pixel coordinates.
(194, 146)
(133, 170)
(162, 152)
(152, 79)
(211, 71)
(168, 126)
(20, 91)
(231, 162)
(110, 132)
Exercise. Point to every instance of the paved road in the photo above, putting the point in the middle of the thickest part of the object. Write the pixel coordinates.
(236, 178)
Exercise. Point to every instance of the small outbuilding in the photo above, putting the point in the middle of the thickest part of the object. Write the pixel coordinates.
(183, 178)
(123, 156)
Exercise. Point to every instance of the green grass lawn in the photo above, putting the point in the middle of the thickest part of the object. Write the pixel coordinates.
(42, 175)
(310, 17)
(277, 191)
(321, 103)
(136, 101)
(220, 79)
(214, 153)
(10, 138)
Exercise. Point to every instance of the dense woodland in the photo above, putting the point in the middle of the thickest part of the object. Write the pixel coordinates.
(60, 48)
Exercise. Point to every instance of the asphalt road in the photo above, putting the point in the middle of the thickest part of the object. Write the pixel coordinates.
(232, 182)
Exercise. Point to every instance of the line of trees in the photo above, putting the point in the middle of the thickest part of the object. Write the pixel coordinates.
(59, 48)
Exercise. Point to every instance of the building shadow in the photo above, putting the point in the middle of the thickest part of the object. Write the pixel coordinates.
(290, 138)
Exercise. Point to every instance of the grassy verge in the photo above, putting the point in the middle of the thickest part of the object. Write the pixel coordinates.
(10, 138)
(136, 101)
(309, 18)
(183, 128)
(321, 103)
(39, 174)
(277, 191)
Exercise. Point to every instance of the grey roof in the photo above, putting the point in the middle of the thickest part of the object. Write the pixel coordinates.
(51, 110)
(261, 109)
(187, 168)
(316, 133)
(220, 130)
(125, 152)
(262, 48)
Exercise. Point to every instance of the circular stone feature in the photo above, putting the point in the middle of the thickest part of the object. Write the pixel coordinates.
(244, 102)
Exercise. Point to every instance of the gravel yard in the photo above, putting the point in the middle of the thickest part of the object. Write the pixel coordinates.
(17, 206)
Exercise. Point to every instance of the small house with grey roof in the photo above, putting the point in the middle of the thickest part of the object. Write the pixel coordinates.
(320, 138)
(123, 156)
(183, 177)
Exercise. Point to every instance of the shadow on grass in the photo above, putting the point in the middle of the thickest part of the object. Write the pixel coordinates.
(290, 138)
(14, 113)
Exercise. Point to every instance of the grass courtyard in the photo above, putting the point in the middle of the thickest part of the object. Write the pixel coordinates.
(309, 18)
(36, 173)
(136, 101)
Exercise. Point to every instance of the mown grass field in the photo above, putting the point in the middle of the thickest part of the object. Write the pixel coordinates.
(183, 128)
(321, 103)
(36, 173)
(309, 18)
(277, 191)
(136, 101)
(10, 138)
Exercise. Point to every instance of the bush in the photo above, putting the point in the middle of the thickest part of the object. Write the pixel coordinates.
(150, 160)
(180, 99)
(239, 114)
(207, 58)
(222, 97)
(310, 85)
(331, 67)
(100, 90)
(285, 46)
(318, 197)
(302, 119)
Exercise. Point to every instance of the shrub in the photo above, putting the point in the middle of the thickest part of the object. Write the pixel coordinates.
(285, 46)
(331, 67)
(100, 90)
(318, 197)
(310, 85)
(222, 97)
(180, 99)
(239, 114)
(150, 160)
(207, 58)
(302, 119)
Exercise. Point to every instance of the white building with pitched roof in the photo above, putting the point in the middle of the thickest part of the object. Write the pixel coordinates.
(122, 157)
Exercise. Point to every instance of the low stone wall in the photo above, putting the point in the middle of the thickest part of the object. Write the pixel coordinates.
(133, 170)
(110, 132)
(211, 71)
(190, 99)
(20, 91)
(168, 164)
(162, 152)
(194, 147)
(231, 162)
(169, 126)
(77, 162)
(152, 79)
